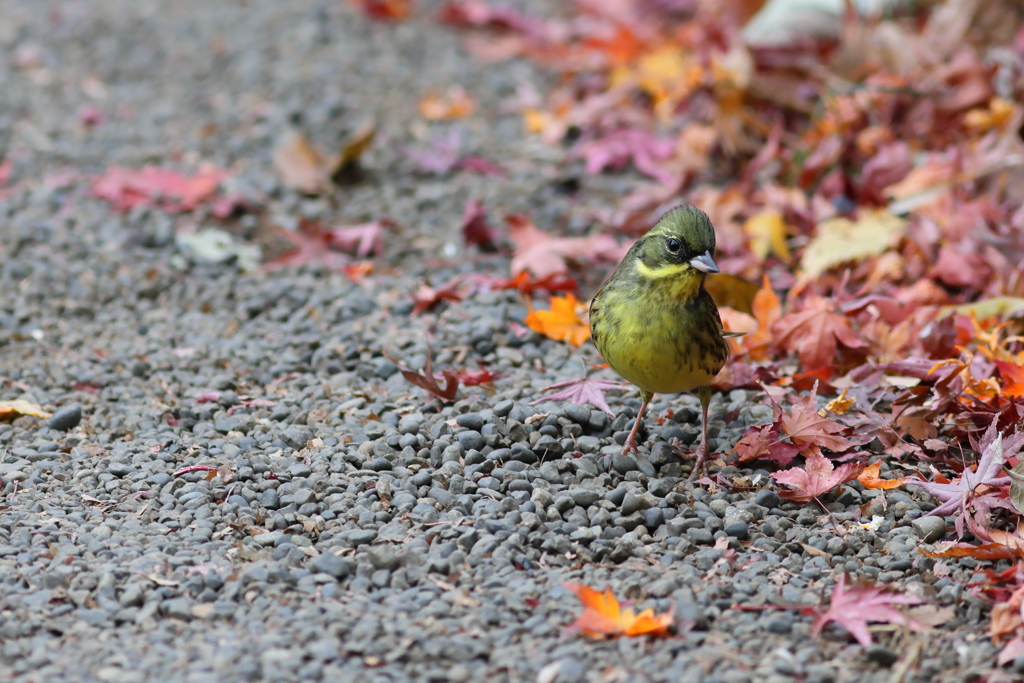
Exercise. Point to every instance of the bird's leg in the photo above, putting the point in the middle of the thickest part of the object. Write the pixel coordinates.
(701, 463)
(630, 445)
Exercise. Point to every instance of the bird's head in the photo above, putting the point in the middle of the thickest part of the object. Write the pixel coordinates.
(680, 246)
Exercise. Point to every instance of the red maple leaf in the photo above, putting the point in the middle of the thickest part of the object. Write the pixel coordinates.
(814, 333)
(804, 425)
(581, 392)
(472, 378)
(475, 230)
(818, 476)
(852, 608)
(426, 297)
(428, 381)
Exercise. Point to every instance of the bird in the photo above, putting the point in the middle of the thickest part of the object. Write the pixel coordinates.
(654, 322)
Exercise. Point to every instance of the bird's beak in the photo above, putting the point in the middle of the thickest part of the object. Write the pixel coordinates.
(704, 263)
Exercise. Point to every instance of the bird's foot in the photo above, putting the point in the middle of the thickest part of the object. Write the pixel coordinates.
(700, 464)
(630, 445)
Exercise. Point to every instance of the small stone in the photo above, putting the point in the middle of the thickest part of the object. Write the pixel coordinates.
(334, 565)
(737, 529)
(622, 463)
(767, 498)
(881, 655)
(470, 439)
(66, 418)
(929, 528)
(269, 499)
(362, 537)
(584, 498)
(701, 535)
(470, 421)
(630, 504)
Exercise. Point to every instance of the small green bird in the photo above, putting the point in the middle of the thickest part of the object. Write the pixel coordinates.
(654, 322)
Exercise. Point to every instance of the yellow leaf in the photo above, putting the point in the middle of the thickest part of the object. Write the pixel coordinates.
(995, 307)
(563, 322)
(840, 405)
(12, 410)
(767, 233)
(840, 240)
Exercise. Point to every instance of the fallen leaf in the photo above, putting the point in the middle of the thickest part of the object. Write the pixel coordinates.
(840, 405)
(1017, 486)
(455, 104)
(820, 476)
(766, 310)
(391, 10)
(853, 608)
(366, 239)
(194, 468)
(840, 240)
(869, 478)
(815, 332)
(302, 167)
(767, 232)
(544, 255)
(126, 188)
(804, 425)
(426, 297)
(731, 291)
(603, 617)
(427, 380)
(562, 322)
(12, 410)
(475, 230)
(582, 391)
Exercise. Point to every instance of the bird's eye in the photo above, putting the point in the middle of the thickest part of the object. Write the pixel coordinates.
(674, 245)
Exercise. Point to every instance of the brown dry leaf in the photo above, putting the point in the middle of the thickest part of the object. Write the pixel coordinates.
(840, 240)
(12, 410)
(303, 167)
(300, 166)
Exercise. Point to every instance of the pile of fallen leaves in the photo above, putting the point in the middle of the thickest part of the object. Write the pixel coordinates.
(865, 189)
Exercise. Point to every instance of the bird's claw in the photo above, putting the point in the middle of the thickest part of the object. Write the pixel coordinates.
(700, 464)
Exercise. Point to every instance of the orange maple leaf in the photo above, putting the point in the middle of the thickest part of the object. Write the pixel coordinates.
(869, 478)
(602, 616)
(767, 310)
(815, 332)
(562, 323)
(1013, 376)
(456, 104)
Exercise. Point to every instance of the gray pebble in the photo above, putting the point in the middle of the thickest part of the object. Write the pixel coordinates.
(929, 528)
(66, 418)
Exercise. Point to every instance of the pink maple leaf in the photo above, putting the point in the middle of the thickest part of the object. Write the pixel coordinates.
(581, 392)
(853, 608)
(818, 476)
(155, 186)
(615, 150)
(363, 240)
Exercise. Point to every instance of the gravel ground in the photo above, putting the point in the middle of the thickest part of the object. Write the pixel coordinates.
(402, 538)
